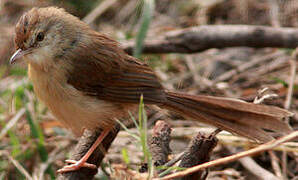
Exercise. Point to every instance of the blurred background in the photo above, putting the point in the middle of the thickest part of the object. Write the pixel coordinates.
(33, 144)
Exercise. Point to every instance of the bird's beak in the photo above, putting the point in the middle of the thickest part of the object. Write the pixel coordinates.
(18, 54)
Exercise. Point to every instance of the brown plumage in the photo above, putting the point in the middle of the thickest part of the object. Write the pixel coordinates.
(87, 81)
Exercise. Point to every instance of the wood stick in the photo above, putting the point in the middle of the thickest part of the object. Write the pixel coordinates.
(197, 39)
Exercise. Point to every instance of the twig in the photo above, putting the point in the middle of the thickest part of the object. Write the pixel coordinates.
(274, 164)
(256, 169)
(227, 75)
(224, 137)
(251, 152)
(97, 156)
(174, 160)
(55, 154)
(265, 68)
(261, 96)
(292, 79)
(101, 8)
(201, 38)
(204, 82)
(12, 122)
(17, 165)
(214, 133)
(288, 104)
(126, 11)
(274, 13)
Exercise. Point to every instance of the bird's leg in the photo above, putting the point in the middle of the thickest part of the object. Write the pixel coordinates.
(76, 165)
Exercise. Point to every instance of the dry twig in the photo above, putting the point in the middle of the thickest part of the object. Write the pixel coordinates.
(264, 147)
(274, 13)
(288, 103)
(17, 165)
(200, 38)
(256, 169)
(293, 61)
(101, 8)
(274, 164)
(224, 137)
(12, 122)
(57, 153)
(247, 65)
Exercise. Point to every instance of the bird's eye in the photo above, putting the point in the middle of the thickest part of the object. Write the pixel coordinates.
(40, 36)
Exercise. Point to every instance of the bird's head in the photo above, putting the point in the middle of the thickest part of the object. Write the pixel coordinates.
(45, 34)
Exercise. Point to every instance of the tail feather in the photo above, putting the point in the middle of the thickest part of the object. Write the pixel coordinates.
(239, 117)
(243, 106)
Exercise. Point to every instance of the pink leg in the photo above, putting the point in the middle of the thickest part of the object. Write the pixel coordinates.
(76, 165)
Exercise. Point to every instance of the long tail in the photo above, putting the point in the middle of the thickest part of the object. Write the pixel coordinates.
(236, 116)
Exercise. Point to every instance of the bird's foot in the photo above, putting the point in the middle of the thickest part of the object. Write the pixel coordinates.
(75, 165)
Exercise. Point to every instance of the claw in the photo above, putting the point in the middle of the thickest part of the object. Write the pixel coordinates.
(75, 165)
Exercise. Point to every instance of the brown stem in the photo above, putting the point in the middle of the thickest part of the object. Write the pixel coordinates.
(160, 143)
(198, 152)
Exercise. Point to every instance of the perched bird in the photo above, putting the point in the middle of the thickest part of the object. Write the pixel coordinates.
(88, 81)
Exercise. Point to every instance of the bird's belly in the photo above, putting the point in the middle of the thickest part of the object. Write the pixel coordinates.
(74, 109)
(84, 112)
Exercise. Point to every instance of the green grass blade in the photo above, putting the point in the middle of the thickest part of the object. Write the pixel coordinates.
(125, 156)
(143, 135)
(148, 10)
(128, 131)
(37, 134)
(169, 170)
(15, 143)
(133, 120)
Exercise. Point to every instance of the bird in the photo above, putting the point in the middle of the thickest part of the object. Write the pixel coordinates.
(88, 81)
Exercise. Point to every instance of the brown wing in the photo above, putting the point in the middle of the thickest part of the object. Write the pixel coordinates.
(103, 70)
